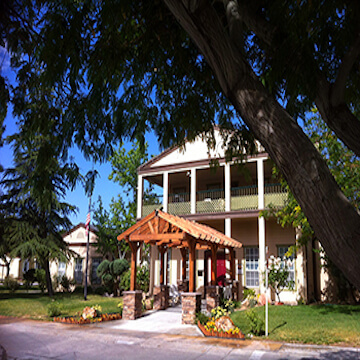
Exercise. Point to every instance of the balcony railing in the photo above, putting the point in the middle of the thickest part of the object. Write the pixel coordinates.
(212, 201)
(275, 194)
(244, 198)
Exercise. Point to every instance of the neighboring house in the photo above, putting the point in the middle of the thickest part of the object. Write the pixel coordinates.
(74, 268)
(228, 198)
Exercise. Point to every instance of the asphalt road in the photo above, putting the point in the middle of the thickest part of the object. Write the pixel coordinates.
(26, 339)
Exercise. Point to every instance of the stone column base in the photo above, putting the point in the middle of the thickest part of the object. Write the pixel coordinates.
(191, 304)
(212, 297)
(161, 297)
(132, 308)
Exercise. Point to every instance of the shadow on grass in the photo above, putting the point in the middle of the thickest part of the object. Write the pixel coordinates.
(22, 295)
(277, 327)
(327, 309)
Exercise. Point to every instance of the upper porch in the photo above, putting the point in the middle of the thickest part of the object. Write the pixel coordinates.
(203, 189)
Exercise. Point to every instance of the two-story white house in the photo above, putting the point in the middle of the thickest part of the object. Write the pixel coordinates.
(229, 199)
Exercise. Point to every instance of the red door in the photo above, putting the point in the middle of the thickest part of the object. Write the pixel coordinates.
(221, 268)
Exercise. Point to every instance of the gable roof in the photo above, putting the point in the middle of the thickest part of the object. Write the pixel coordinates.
(161, 228)
(93, 229)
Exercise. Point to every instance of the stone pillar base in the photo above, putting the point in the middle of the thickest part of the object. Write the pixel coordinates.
(212, 297)
(191, 304)
(132, 308)
(161, 297)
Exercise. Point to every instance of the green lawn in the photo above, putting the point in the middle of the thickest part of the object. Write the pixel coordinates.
(315, 324)
(34, 306)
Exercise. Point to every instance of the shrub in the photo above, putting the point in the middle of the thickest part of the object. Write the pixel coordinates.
(229, 306)
(41, 279)
(66, 283)
(100, 290)
(110, 273)
(11, 284)
(256, 324)
(125, 281)
(29, 278)
(218, 312)
(143, 278)
(54, 309)
(202, 318)
(248, 292)
(79, 289)
(120, 306)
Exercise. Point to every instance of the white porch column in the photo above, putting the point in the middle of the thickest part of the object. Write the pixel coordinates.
(165, 191)
(227, 187)
(139, 197)
(193, 191)
(261, 222)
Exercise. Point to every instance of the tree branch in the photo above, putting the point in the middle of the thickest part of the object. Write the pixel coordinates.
(338, 89)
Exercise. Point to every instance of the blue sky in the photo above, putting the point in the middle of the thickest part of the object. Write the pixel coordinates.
(103, 186)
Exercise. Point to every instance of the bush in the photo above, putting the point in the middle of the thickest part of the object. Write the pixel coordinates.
(256, 324)
(54, 309)
(218, 312)
(202, 318)
(229, 306)
(79, 289)
(125, 281)
(29, 278)
(66, 283)
(248, 292)
(101, 290)
(11, 284)
(143, 278)
(41, 279)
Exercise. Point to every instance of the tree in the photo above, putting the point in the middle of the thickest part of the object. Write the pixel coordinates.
(35, 218)
(122, 212)
(127, 67)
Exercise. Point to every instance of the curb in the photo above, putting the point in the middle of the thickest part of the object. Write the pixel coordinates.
(3, 355)
(320, 347)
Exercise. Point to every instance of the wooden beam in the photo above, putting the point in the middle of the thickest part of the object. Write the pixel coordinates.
(151, 227)
(192, 265)
(213, 264)
(157, 237)
(162, 250)
(134, 248)
(183, 255)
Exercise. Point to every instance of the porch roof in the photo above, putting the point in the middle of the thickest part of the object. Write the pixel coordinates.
(161, 228)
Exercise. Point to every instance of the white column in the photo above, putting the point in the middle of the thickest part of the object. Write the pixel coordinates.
(228, 227)
(193, 191)
(227, 187)
(139, 196)
(261, 222)
(165, 191)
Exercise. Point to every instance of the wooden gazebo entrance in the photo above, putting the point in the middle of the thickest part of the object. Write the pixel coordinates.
(170, 231)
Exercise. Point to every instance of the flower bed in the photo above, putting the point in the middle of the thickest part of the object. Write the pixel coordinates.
(79, 320)
(209, 329)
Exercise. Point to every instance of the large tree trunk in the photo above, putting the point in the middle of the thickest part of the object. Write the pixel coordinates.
(334, 220)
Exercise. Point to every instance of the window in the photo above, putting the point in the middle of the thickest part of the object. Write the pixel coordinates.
(282, 250)
(94, 278)
(252, 267)
(61, 269)
(78, 273)
(26, 265)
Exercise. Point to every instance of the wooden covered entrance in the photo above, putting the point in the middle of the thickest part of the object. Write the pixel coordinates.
(169, 231)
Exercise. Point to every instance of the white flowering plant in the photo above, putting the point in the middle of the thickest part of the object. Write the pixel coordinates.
(278, 274)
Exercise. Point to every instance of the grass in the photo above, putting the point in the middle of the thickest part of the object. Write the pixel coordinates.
(311, 324)
(34, 306)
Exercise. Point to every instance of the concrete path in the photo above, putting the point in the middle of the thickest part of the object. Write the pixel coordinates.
(163, 321)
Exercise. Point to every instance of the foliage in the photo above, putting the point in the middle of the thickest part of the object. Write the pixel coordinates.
(218, 312)
(54, 309)
(256, 324)
(66, 283)
(29, 277)
(278, 275)
(125, 281)
(248, 292)
(111, 272)
(120, 307)
(11, 283)
(41, 279)
(100, 290)
(143, 278)
(229, 306)
(202, 318)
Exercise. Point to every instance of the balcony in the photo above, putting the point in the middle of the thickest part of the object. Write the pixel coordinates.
(213, 201)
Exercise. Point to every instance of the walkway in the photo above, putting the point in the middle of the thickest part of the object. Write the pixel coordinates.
(158, 321)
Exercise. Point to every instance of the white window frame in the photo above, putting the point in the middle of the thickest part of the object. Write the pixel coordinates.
(282, 250)
(252, 278)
